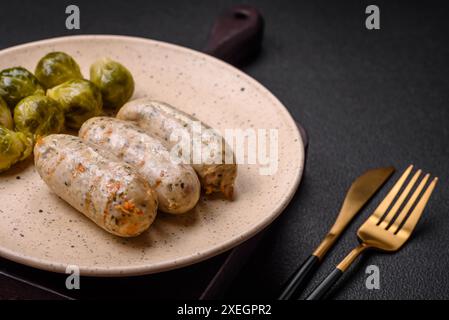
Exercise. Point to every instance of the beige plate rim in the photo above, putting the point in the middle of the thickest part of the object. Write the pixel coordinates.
(184, 261)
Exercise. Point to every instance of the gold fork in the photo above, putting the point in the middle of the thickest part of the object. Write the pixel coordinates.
(385, 230)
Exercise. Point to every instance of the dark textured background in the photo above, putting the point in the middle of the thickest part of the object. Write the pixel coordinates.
(367, 99)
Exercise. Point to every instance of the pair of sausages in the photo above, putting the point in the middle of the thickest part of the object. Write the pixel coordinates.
(118, 172)
(107, 191)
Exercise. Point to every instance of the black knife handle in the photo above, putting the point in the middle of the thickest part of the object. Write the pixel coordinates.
(319, 292)
(297, 280)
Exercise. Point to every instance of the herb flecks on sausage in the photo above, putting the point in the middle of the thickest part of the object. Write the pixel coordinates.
(149, 156)
(98, 185)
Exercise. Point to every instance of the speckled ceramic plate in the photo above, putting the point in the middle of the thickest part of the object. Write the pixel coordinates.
(39, 229)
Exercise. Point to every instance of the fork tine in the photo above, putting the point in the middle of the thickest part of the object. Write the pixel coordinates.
(400, 219)
(413, 218)
(383, 206)
(390, 216)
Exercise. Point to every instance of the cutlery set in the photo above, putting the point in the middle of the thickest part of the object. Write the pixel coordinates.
(387, 229)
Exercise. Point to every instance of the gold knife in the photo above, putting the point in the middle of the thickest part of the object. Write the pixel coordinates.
(360, 192)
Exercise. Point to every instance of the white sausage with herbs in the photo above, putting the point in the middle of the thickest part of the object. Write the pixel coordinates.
(161, 119)
(176, 185)
(107, 191)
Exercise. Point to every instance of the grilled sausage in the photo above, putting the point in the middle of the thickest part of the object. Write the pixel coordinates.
(160, 119)
(108, 192)
(177, 185)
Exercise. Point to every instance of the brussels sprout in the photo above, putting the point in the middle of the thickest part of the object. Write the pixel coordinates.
(79, 99)
(114, 80)
(14, 147)
(5, 115)
(56, 68)
(18, 83)
(38, 116)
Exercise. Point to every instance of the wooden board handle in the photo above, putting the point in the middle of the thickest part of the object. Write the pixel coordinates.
(236, 35)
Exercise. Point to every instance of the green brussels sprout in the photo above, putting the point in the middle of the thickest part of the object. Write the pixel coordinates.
(80, 100)
(56, 68)
(14, 147)
(5, 115)
(115, 82)
(18, 83)
(38, 116)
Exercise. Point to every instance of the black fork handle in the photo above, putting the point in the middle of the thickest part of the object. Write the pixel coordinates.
(299, 279)
(319, 292)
